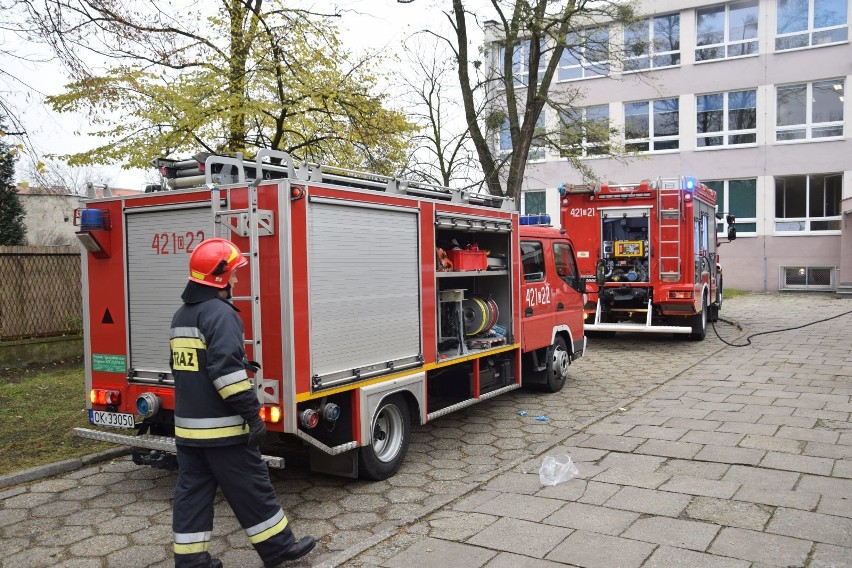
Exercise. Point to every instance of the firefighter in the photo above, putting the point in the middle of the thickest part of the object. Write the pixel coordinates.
(218, 431)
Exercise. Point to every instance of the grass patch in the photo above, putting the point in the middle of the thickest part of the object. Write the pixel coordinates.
(728, 293)
(38, 408)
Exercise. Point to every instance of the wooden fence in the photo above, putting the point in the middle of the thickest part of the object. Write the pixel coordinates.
(40, 292)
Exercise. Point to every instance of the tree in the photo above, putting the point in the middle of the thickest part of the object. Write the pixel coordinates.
(533, 35)
(253, 75)
(12, 229)
(442, 151)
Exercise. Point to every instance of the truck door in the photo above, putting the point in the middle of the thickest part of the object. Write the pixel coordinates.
(567, 290)
(536, 303)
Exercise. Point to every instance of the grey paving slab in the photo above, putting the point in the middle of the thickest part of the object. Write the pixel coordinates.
(773, 550)
(669, 557)
(730, 455)
(838, 488)
(592, 518)
(520, 537)
(436, 553)
(699, 486)
(829, 556)
(515, 506)
(682, 450)
(761, 477)
(812, 526)
(730, 513)
(507, 560)
(679, 533)
(593, 550)
(805, 464)
(649, 501)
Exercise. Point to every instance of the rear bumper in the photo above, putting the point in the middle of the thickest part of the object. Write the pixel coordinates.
(151, 442)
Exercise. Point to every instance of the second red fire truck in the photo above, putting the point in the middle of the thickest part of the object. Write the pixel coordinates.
(371, 303)
(649, 253)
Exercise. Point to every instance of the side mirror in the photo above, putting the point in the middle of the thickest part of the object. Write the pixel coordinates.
(600, 272)
(731, 219)
(732, 233)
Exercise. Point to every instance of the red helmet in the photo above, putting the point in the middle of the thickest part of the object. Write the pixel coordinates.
(213, 261)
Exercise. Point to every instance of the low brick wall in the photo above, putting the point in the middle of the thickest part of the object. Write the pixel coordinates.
(38, 351)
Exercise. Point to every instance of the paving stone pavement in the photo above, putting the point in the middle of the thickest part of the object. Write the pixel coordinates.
(690, 454)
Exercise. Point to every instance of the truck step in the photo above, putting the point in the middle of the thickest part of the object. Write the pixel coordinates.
(151, 442)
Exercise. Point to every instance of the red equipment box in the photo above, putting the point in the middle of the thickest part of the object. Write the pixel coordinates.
(469, 259)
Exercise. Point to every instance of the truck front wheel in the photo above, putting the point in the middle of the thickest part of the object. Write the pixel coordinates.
(389, 437)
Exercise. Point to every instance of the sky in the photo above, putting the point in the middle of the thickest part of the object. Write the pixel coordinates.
(378, 25)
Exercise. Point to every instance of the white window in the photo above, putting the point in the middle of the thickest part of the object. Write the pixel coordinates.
(585, 131)
(537, 147)
(737, 197)
(806, 111)
(652, 43)
(804, 23)
(521, 61)
(808, 203)
(726, 31)
(651, 126)
(586, 54)
(726, 119)
(535, 202)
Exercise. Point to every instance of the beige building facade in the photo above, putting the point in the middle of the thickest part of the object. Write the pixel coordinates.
(749, 97)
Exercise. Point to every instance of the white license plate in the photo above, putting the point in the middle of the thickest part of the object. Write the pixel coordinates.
(112, 419)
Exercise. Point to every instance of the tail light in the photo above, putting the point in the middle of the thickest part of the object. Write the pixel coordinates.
(681, 295)
(105, 397)
(271, 414)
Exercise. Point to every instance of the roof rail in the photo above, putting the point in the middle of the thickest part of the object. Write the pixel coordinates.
(205, 168)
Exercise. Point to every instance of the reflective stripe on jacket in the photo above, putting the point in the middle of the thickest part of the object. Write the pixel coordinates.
(213, 394)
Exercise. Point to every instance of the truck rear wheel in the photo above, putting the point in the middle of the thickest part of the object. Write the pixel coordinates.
(699, 322)
(389, 437)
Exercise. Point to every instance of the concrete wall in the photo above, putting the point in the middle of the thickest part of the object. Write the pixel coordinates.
(49, 218)
(39, 351)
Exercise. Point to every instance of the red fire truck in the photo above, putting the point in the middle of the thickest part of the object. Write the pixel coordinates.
(649, 253)
(369, 302)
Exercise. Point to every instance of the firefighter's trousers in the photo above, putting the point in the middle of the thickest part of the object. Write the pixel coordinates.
(244, 479)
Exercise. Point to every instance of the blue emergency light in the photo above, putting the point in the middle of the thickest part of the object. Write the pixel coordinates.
(543, 219)
(689, 183)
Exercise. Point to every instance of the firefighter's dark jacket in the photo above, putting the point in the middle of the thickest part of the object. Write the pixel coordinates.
(214, 397)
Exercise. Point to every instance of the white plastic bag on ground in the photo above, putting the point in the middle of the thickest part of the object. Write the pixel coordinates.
(557, 469)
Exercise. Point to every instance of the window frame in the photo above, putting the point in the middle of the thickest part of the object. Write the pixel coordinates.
(807, 219)
(726, 42)
(587, 67)
(538, 276)
(585, 145)
(651, 139)
(725, 207)
(520, 65)
(810, 31)
(808, 126)
(650, 52)
(725, 133)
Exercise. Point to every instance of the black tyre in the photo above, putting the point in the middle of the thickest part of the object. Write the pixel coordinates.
(389, 438)
(699, 322)
(557, 370)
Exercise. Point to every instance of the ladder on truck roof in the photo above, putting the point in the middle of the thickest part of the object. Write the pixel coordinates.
(212, 169)
(669, 220)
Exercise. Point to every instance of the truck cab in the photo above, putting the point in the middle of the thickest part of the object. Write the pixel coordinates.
(552, 299)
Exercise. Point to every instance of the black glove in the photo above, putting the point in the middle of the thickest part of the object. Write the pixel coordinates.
(252, 366)
(257, 431)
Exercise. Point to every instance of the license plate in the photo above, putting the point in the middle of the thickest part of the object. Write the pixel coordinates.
(112, 419)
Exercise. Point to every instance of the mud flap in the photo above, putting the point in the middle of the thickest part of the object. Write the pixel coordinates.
(343, 465)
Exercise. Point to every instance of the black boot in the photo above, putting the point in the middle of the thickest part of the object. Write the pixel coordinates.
(215, 563)
(298, 549)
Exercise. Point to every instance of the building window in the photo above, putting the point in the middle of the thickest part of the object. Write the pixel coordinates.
(809, 110)
(652, 43)
(805, 23)
(535, 203)
(726, 119)
(537, 147)
(586, 54)
(808, 203)
(737, 197)
(585, 131)
(727, 31)
(521, 61)
(651, 126)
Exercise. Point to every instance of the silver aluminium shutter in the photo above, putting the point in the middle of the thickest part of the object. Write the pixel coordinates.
(158, 247)
(364, 282)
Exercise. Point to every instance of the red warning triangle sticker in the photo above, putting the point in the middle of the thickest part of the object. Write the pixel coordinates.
(107, 317)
